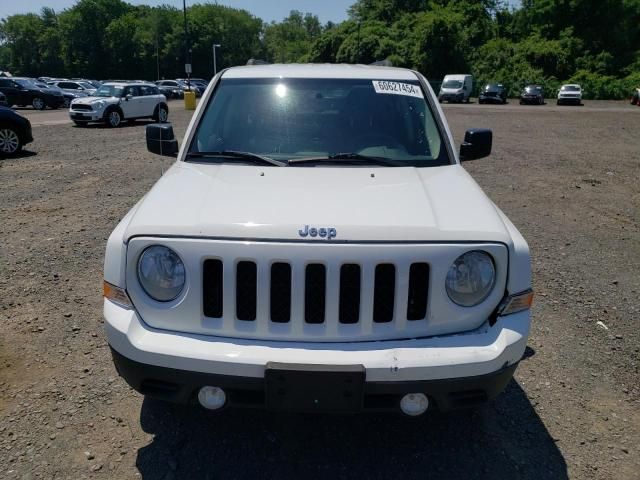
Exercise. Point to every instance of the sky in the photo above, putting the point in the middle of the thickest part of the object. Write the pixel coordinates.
(268, 10)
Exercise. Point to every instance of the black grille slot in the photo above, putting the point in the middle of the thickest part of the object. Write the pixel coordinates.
(418, 288)
(280, 292)
(315, 288)
(246, 285)
(384, 293)
(81, 106)
(212, 288)
(349, 293)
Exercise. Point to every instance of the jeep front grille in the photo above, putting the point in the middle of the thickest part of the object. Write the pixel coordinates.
(314, 292)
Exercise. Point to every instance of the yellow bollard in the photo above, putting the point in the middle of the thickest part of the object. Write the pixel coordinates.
(189, 100)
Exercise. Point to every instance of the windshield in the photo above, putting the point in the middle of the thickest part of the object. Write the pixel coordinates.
(452, 84)
(109, 91)
(26, 83)
(570, 88)
(301, 118)
(493, 88)
(533, 89)
(87, 85)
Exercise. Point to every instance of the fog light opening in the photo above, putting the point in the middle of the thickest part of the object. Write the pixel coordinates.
(212, 398)
(414, 404)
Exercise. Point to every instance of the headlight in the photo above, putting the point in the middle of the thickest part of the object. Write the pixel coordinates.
(161, 273)
(98, 105)
(471, 278)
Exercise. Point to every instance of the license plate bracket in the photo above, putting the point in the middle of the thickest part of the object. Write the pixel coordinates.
(314, 388)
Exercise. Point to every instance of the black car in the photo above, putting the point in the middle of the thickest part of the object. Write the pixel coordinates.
(25, 91)
(170, 88)
(493, 93)
(532, 94)
(68, 96)
(15, 132)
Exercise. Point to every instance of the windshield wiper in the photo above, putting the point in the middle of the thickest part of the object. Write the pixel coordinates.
(247, 156)
(349, 158)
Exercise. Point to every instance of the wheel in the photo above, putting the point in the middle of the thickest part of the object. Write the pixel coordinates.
(541, 101)
(9, 141)
(114, 118)
(521, 102)
(38, 103)
(67, 103)
(162, 113)
(558, 102)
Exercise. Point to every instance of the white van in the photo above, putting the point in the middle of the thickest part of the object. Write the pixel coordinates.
(456, 88)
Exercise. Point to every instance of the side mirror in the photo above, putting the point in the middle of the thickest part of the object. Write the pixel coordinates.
(477, 144)
(161, 140)
(128, 97)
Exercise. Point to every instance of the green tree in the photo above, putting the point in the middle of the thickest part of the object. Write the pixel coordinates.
(291, 39)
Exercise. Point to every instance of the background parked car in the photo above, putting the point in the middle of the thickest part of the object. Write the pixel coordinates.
(532, 94)
(116, 102)
(94, 83)
(68, 95)
(456, 88)
(25, 91)
(15, 132)
(635, 98)
(493, 93)
(570, 93)
(170, 88)
(191, 85)
(74, 86)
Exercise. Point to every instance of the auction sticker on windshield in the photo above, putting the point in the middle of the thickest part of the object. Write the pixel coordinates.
(397, 88)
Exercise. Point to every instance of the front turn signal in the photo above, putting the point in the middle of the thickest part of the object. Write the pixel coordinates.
(516, 303)
(116, 295)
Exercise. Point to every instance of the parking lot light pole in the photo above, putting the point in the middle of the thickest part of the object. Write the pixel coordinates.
(187, 49)
(215, 65)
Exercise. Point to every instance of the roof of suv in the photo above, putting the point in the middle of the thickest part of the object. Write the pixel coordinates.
(320, 71)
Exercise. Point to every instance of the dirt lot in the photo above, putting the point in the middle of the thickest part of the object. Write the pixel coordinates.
(566, 176)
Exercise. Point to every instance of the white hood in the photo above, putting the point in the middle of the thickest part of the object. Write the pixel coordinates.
(89, 100)
(252, 202)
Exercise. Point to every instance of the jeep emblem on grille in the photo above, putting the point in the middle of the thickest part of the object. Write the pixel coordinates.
(322, 232)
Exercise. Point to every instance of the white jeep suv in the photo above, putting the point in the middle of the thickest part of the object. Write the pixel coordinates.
(114, 103)
(317, 246)
(570, 93)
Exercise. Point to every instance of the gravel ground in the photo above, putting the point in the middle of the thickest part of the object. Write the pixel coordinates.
(567, 177)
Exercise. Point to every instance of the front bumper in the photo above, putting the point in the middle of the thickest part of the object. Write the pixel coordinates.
(534, 100)
(86, 115)
(451, 97)
(454, 370)
(490, 99)
(574, 100)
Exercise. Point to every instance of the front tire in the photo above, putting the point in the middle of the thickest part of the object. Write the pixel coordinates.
(10, 143)
(38, 103)
(161, 114)
(67, 103)
(113, 118)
